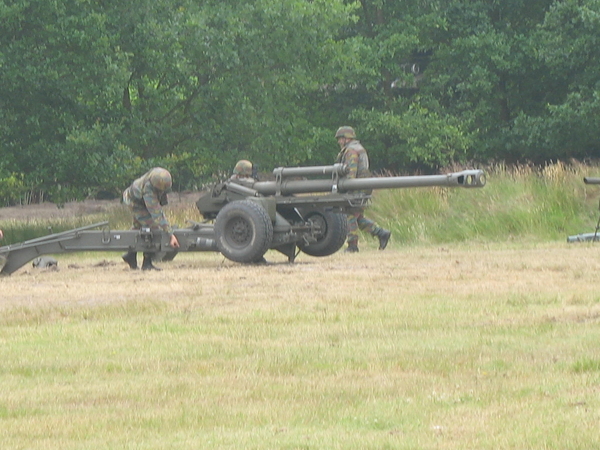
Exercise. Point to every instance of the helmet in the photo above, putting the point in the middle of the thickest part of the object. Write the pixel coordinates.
(345, 132)
(243, 168)
(161, 179)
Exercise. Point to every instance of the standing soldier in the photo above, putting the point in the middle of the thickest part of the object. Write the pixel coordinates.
(355, 157)
(145, 197)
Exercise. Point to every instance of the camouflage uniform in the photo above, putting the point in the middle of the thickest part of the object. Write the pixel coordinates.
(145, 197)
(355, 157)
(146, 201)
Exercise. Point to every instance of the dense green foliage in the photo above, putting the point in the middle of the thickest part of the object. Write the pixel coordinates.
(94, 92)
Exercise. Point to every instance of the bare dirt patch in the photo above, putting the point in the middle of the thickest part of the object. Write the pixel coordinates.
(561, 274)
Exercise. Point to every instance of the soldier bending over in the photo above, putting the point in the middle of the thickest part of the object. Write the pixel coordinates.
(145, 197)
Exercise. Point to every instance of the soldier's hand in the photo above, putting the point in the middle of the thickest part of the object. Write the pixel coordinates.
(1, 234)
(174, 242)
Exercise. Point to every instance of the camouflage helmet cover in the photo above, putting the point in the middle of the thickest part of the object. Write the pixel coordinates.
(161, 179)
(345, 132)
(243, 168)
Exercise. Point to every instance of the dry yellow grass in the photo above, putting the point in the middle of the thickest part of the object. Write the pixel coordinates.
(463, 346)
(485, 270)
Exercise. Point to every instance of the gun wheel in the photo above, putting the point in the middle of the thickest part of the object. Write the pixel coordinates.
(332, 231)
(244, 231)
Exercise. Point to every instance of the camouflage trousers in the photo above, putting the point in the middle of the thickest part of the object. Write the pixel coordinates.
(141, 217)
(356, 221)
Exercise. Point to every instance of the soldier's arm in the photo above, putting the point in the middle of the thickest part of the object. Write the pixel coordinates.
(153, 206)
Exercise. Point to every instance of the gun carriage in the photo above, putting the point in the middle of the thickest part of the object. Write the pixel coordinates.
(303, 210)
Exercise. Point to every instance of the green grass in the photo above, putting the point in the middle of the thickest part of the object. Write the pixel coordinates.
(31, 228)
(420, 348)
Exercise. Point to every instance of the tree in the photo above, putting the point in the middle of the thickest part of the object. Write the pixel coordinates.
(380, 87)
(489, 82)
(59, 75)
(567, 122)
(93, 91)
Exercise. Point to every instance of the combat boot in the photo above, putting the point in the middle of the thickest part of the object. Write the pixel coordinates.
(352, 248)
(147, 264)
(384, 236)
(131, 259)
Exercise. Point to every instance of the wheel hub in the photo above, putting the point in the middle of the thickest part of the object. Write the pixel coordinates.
(239, 232)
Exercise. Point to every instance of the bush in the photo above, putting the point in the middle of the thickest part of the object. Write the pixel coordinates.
(12, 189)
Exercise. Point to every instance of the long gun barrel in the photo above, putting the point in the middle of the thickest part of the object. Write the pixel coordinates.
(591, 180)
(466, 178)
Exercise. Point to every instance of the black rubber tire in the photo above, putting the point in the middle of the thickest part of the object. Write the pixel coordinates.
(335, 226)
(243, 231)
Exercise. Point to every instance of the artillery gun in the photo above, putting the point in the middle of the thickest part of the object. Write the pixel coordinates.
(303, 210)
(586, 237)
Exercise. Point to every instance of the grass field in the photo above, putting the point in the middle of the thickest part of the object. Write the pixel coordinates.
(453, 346)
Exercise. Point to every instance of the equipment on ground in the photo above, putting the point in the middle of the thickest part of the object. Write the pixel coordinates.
(291, 214)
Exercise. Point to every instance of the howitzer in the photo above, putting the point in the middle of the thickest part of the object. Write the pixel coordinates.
(250, 217)
(586, 237)
(289, 213)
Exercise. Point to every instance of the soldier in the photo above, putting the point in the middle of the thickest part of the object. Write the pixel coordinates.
(355, 157)
(242, 172)
(145, 197)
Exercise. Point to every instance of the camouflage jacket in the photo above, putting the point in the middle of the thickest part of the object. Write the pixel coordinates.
(354, 155)
(242, 180)
(143, 194)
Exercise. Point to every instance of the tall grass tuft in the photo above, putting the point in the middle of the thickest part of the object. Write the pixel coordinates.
(519, 202)
(22, 230)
